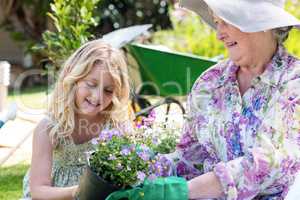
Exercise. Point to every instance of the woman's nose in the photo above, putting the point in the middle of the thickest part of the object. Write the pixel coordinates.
(221, 31)
(220, 36)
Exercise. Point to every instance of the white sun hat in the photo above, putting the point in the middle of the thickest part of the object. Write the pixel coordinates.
(247, 15)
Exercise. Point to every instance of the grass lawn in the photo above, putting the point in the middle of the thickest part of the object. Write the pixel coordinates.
(11, 181)
(11, 178)
(30, 98)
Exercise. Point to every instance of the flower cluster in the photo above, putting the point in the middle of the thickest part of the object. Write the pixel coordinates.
(125, 157)
(124, 161)
(158, 134)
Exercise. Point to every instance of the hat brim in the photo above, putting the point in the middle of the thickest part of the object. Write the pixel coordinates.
(201, 8)
(258, 16)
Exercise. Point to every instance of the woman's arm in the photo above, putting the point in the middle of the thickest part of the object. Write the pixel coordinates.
(274, 159)
(41, 167)
(270, 163)
(205, 186)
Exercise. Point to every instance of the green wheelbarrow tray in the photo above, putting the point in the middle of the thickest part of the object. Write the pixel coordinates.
(165, 72)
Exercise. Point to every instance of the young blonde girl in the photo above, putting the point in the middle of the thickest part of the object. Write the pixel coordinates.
(91, 93)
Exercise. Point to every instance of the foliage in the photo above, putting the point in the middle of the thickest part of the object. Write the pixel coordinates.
(76, 21)
(123, 13)
(25, 20)
(292, 44)
(11, 181)
(191, 35)
(72, 20)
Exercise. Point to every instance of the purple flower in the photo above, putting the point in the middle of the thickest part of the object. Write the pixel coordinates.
(166, 165)
(139, 125)
(119, 166)
(155, 141)
(143, 155)
(114, 132)
(141, 175)
(103, 136)
(94, 141)
(161, 167)
(157, 169)
(152, 114)
(125, 151)
(145, 148)
(106, 135)
(149, 120)
(112, 157)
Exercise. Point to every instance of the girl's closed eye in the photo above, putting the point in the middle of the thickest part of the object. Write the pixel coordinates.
(91, 84)
(109, 91)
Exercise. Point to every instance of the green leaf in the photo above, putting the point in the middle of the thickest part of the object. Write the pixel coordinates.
(68, 17)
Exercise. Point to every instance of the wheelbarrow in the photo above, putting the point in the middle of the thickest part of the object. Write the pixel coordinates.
(163, 72)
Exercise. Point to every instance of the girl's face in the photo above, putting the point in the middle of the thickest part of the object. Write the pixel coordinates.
(95, 91)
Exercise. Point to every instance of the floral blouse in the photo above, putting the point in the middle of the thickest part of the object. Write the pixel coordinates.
(251, 142)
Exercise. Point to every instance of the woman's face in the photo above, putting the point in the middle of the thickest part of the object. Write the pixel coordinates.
(95, 91)
(243, 48)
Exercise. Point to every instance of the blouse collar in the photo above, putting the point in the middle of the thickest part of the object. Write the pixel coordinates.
(273, 74)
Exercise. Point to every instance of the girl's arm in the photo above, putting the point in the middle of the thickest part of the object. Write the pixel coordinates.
(41, 166)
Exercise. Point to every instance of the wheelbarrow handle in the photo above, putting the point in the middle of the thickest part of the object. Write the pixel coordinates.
(9, 114)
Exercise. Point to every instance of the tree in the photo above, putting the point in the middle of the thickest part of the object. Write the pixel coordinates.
(122, 13)
(25, 20)
(72, 20)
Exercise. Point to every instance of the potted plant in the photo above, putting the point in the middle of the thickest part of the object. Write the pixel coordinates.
(121, 161)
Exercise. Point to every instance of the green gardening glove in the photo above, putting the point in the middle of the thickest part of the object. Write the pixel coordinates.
(170, 188)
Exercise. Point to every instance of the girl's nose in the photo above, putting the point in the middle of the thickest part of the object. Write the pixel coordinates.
(96, 94)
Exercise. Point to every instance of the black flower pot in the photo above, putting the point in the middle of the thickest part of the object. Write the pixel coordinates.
(93, 187)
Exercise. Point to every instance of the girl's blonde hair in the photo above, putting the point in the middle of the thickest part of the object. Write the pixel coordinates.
(79, 64)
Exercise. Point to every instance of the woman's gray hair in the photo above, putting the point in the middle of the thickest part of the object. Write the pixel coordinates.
(281, 34)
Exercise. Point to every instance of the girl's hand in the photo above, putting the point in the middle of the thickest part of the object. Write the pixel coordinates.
(75, 190)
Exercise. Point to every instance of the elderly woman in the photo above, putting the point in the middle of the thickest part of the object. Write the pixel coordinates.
(241, 139)
(243, 129)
